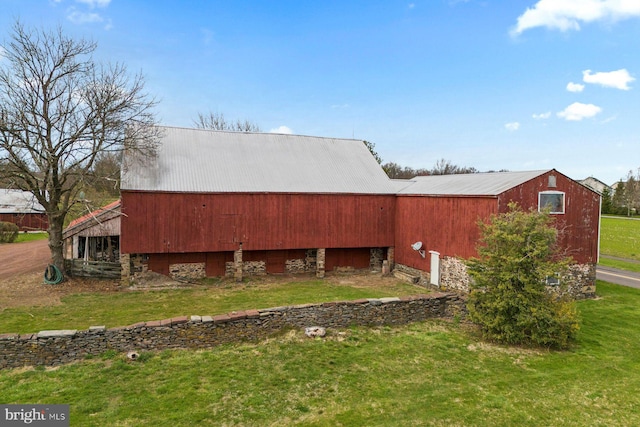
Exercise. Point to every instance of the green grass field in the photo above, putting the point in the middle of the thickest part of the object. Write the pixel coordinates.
(29, 237)
(433, 374)
(620, 237)
(620, 243)
(79, 311)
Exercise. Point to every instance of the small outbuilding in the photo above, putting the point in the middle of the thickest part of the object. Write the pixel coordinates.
(95, 236)
(442, 213)
(22, 208)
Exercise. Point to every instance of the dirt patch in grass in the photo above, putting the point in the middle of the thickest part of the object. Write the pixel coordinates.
(29, 289)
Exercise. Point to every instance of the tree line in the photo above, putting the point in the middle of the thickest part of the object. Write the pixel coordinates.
(624, 199)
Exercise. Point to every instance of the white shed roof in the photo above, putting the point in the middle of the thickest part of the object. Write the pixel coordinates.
(194, 160)
(476, 184)
(18, 202)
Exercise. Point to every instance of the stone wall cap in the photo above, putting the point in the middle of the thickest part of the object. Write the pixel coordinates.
(207, 319)
(387, 300)
(9, 336)
(196, 319)
(100, 328)
(281, 308)
(179, 320)
(252, 314)
(221, 318)
(57, 333)
(153, 324)
(237, 315)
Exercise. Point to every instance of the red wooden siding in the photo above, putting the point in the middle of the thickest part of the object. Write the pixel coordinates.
(448, 225)
(579, 225)
(358, 258)
(27, 222)
(186, 222)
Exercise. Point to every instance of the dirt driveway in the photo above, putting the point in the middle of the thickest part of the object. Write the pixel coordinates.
(20, 258)
(22, 268)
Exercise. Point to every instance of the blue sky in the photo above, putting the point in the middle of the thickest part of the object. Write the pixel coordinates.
(493, 84)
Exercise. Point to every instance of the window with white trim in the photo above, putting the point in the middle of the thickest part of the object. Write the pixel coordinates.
(553, 200)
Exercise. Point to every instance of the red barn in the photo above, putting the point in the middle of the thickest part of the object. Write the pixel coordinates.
(219, 203)
(442, 212)
(22, 208)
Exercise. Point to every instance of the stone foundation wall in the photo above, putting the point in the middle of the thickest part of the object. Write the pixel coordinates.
(453, 275)
(375, 259)
(421, 277)
(50, 348)
(579, 283)
(249, 268)
(187, 271)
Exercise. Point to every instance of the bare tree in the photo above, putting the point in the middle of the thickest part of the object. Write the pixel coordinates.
(445, 167)
(60, 111)
(217, 121)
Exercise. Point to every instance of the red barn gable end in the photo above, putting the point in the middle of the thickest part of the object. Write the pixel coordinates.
(443, 213)
(218, 203)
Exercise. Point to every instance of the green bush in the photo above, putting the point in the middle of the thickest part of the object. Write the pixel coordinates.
(509, 298)
(8, 232)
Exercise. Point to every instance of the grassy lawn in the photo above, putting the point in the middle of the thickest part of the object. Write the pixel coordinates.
(620, 237)
(30, 237)
(433, 373)
(622, 265)
(79, 311)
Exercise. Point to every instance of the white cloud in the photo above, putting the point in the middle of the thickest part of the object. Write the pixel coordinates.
(578, 111)
(95, 3)
(542, 116)
(619, 79)
(567, 15)
(282, 129)
(83, 17)
(575, 87)
(513, 126)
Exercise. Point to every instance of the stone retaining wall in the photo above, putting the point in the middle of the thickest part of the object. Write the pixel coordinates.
(50, 348)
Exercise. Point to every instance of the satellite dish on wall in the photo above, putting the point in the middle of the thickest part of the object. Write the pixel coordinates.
(417, 246)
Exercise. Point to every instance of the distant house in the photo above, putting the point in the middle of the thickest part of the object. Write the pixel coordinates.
(22, 208)
(94, 236)
(218, 203)
(596, 185)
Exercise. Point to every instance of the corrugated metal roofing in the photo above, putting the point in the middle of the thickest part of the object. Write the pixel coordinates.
(476, 184)
(194, 160)
(18, 201)
(111, 208)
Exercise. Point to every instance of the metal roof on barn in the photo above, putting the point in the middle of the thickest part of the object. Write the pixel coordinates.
(476, 184)
(195, 160)
(18, 202)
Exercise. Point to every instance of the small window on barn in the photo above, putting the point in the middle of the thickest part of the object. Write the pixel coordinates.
(552, 200)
